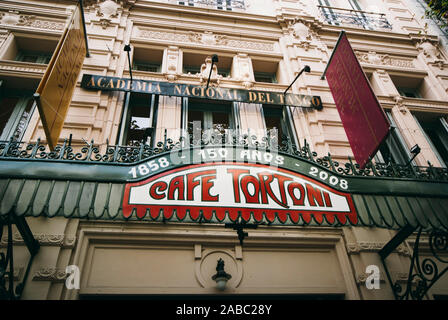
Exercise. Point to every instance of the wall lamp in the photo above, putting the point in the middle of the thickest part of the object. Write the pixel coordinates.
(415, 150)
(127, 48)
(214, 59)
(221, 277)
(306, 69)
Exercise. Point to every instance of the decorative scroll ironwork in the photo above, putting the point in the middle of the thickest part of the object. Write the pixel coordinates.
(363, 19)
(131, 154)
(215, 4)
(424, 273)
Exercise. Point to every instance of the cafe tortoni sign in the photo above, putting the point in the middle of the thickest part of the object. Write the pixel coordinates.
(236, 183)
(97, 82)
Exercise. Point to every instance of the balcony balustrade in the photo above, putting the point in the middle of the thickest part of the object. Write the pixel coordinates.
(350, 17)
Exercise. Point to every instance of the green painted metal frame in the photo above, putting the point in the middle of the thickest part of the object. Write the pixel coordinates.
(33, 247)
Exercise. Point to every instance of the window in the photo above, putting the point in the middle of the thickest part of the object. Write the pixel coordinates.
(143, 66)
(33, 57)
(278, 118)
(409, 92)
(265, 77)
(147, 59)
(208, 116)
(33, 50)
(191, 69)
(265, 70)
(273, 118)
(193, 61)
(435, 129)
(16, 107)
(414, 87)
(394, 149)
(139, 119)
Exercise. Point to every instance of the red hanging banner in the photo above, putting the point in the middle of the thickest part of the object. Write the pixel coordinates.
(362, 116)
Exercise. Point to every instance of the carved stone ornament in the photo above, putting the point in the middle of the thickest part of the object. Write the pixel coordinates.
(15, 18)
(215, 78)
(50, 274)
(120, 3)
(372, 57)
(172, 63)
(365, 246)
(58, 240)
(431, 53)
(429, 50)
(362, 277)
(206, 38)
(106, 10)
(301, 31)
(400, 104)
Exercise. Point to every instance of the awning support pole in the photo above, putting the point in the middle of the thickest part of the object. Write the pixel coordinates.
(33, 247)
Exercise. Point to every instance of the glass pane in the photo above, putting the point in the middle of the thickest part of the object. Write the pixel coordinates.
(195, 116)
(438, 136)
(139, 126)
(7, 106)
(220, 121)
(274, 120)
(23, 122)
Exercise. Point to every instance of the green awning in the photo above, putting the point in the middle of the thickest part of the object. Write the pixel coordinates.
(99, 189)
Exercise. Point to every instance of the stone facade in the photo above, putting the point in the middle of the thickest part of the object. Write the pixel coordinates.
(276, 36)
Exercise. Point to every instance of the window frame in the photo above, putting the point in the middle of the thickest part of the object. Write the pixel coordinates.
(394, 140)
(444, 125)
(41, 57)
(126, 117)
(234, 119)
(272, 76)
(17, 114)
(286, 121)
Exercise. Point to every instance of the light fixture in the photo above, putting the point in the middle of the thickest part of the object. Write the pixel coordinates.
(415, 150)
(306, 69)
(221, 277)
(127, 48)
(214, 59)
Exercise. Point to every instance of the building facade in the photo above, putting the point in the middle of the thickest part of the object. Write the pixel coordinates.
(81, 204)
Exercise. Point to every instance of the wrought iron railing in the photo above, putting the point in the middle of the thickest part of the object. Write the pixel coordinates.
(117, 154)
(214, 4)
(426, 267)
(363, 19)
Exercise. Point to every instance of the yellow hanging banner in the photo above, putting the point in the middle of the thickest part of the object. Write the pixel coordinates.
(56, 88)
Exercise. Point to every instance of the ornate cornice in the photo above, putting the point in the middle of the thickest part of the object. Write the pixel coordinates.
(13, 18)
(398, 276)
(58, 240)
(31, 70)
(372, 57)
(205, 38)
(365, 246)
(50, 274)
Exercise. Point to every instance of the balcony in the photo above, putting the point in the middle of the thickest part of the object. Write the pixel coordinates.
(22, 69)
(357, 18)
(229, 5)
